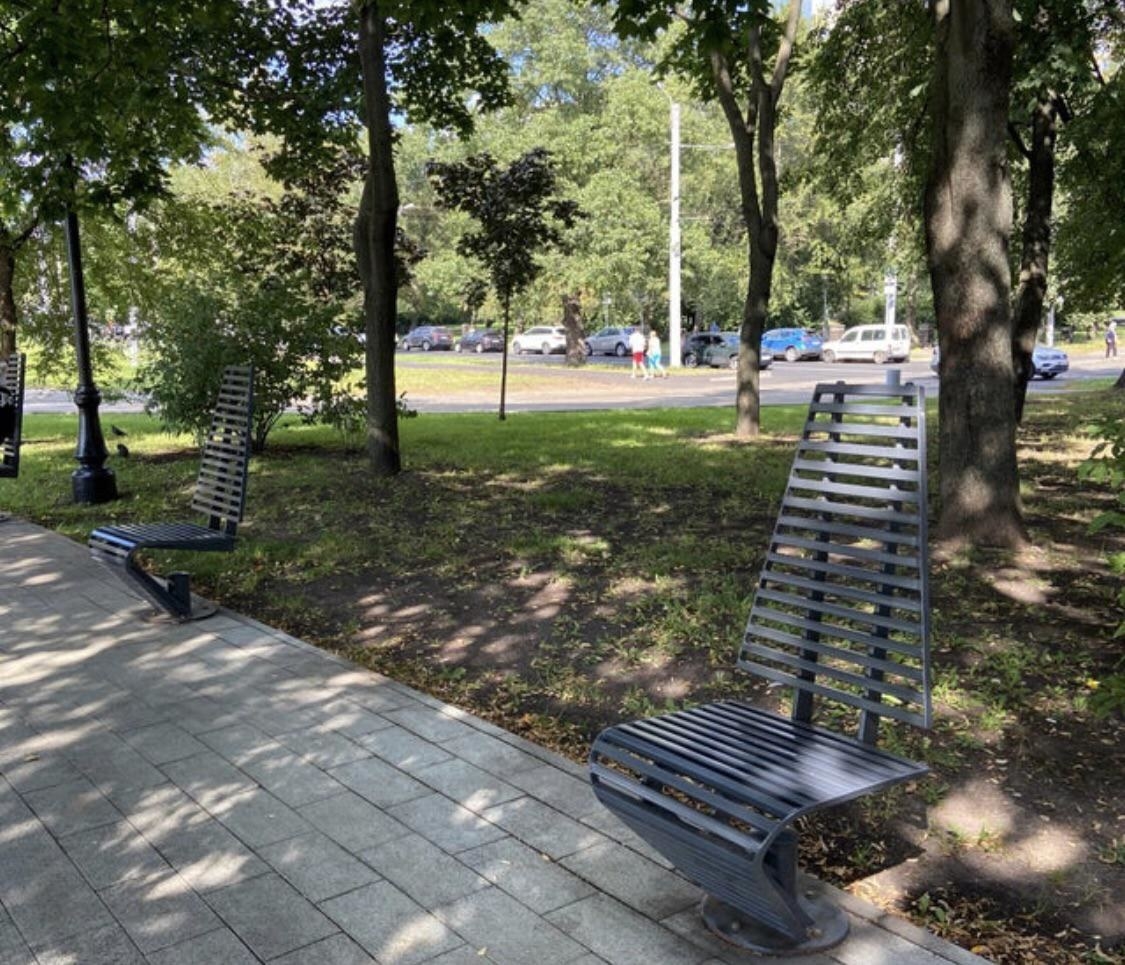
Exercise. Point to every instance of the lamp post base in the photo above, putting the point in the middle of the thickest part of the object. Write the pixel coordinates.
(91, 486)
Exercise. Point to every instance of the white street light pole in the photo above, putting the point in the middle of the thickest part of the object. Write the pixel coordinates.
(674, 301)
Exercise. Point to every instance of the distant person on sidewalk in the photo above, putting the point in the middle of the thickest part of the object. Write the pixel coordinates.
(637, 347)
(1111, 338)
(653, 355)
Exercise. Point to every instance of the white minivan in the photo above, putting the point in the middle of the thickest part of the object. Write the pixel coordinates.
(870, 343)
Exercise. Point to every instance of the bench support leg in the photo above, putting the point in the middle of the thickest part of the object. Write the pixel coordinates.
(171, 595)
(829, 927)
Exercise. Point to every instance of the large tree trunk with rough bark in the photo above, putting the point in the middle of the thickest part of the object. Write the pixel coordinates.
(1032, 291)
(376, 225)
(968, 212)
(7, 298)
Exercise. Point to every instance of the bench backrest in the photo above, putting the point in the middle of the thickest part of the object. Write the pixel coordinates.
(842, 610)
(12, 371)
(220, 489)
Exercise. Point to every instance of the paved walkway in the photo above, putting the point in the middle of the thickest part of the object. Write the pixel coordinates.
(221, 793)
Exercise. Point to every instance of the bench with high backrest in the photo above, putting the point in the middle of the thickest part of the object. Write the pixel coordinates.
(840, 625)
(220, 494)
(12, 372)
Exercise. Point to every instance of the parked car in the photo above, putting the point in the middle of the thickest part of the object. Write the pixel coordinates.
(1048, 362)
(612, 340)
(694, 345)
(427, 337)
(542, 338)
(793, 344)
(725, 350)
(482, 340)
(870, 343)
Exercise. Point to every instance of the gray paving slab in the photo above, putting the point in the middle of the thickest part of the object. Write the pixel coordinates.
(33, 895)
(73, 806)
(433, 725)
(491, 754)
(622, 936)
(13, 949)
(218, 947)
(102, 946)
(325, 749)
(444, 822)
(258, 818)
(352, 719)
(423, 871)
(403, 749)
(511, 933)
(40, 771)
(318, 867)
(390, 926)
(208, 778)
(542, 827)
(383, 784)
(632, 879)
(162, 743)
(463, 955)
(270, 915)
(563, 791)
(352, 822)
(158, 910)
(532, 877)
(290, 778)
(334, 950)
(111, 853)
(468, 785)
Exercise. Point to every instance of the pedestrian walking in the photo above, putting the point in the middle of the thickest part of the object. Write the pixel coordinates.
(653, 355)
(637, 348)
(1111, 338)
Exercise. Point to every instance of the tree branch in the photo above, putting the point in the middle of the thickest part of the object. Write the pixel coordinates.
(785, 50)
(1017, 137)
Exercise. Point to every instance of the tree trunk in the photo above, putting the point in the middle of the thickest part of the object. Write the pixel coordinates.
(759, 210)
(7, 297)
(504, 358)
(968, 213)
(572, 322)
(376, 225)
(1032, 290)
(1120, 383)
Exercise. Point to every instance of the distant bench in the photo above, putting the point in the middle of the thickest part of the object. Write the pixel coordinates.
(840, 619)
(12, 374)
(220, 494)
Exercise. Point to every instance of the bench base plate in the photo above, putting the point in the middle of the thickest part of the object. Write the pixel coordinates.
(829, 927)
(200, 610)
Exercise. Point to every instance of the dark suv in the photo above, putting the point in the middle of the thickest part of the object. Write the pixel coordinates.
(427, 337)
(482, 340)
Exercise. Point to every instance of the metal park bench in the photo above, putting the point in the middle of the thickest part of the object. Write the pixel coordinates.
(220, 494)
(841, 621)
(12, 372)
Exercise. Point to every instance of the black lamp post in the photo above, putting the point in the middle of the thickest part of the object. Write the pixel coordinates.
(92, 481)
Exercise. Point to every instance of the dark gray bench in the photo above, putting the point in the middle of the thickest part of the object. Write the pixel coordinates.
(12, 372)
(840, 626)
(220, 494)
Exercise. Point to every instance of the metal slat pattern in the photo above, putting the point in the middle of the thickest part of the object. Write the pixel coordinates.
(12, 374)
(842, 609)
(220, 490)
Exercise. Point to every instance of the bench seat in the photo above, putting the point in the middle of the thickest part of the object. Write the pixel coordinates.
(716, 788)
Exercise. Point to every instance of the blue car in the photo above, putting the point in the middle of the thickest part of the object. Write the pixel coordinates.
(792, 344)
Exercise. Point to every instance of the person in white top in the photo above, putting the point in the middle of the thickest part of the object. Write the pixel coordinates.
(637, 347)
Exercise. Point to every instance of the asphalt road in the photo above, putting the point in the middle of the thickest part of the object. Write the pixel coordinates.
(607, 385)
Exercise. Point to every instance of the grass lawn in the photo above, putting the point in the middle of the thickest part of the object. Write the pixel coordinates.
(561, 571)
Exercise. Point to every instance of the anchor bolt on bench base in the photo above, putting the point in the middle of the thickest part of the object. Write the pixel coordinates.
(829, 927)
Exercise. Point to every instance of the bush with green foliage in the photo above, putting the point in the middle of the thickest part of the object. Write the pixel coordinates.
(250, 279)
